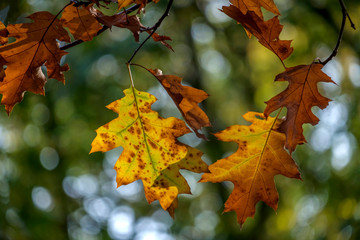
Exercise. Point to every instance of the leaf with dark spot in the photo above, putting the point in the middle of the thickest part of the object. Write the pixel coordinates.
(170, 183)
(151, 151)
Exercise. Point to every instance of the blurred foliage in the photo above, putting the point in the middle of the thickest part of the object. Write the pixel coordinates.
(50, 188)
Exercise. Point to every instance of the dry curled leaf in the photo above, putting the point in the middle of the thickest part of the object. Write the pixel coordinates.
(121, 20)
(81, 23)
(186, 99)
(267, 32)
(35, 45)
(162, 38)
(260, 156)
(299, 97)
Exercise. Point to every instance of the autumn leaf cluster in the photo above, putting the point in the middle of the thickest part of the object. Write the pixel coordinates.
(151, 151)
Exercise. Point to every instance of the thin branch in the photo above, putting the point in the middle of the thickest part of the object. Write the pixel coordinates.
(345, 15)
(103, 29)
(154, 28)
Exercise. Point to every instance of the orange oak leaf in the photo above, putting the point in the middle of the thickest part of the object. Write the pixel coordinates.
(149, 141)
(121, 20)
(299, 97)
(260, 156)
(255, 5)
(267, 32)
(170, 183)
(36, 44)
(3, 34)
(81, 23)
(186, 99)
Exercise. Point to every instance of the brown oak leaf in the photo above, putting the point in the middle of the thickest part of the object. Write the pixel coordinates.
(81, 23)
(186, 99)
(299, 97)
(36, 45)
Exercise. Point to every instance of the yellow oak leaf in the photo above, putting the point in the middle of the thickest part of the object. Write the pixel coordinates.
(151, 152)
(81, 23)
(170, 183)
(260, 156)
(149, 141)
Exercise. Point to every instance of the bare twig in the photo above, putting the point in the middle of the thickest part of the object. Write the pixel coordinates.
(154, 28)
(345, 15)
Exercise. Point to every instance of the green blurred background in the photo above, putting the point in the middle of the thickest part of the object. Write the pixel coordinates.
(51, 188)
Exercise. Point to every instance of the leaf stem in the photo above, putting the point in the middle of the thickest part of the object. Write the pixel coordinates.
(154, 28)
(130, 75)
(345, 15)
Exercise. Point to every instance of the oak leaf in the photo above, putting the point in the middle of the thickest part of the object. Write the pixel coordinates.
(255, 5)
(151, 152)
(267, 32)
(260, 156)
(299, 97)
(81, 23)
(186, 99)
(170, 183)
(149, 141)
(36, 44)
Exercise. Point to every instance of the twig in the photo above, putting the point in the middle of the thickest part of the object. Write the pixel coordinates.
(341, 33)
(154, 28)
(103, 29)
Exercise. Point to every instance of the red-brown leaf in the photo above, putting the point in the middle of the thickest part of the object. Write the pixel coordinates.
(299, 97)
(186, 99)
